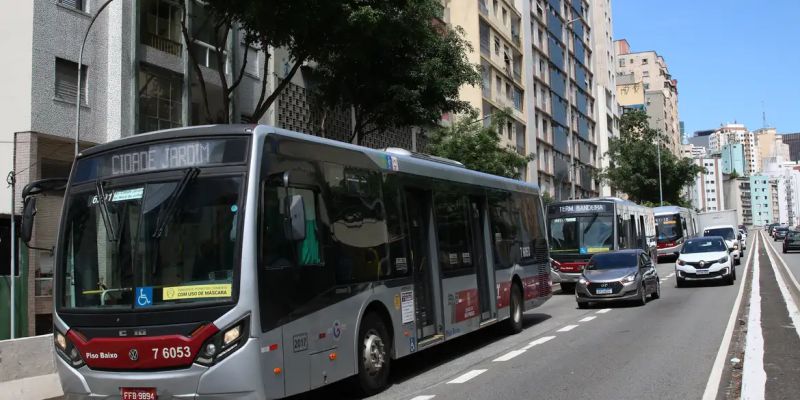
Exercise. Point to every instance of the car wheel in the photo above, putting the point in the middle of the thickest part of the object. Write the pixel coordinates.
(785, 251)
(642, 295)
(737, 261)
(583, 305)
(373, 354)
(733, 273)
(657, 293)
(567, 287)
(514, 321)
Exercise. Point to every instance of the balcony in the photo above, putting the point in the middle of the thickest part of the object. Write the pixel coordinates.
(162, 43)
(43, 287)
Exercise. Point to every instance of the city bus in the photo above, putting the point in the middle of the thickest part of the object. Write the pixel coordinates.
(578, 229)
(674, 225)
(254, 262)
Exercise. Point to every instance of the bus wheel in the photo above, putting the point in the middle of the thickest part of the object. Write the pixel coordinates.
(514, 321)
(373, 355)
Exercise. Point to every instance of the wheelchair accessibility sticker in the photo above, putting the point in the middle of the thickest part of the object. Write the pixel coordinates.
(144, 296)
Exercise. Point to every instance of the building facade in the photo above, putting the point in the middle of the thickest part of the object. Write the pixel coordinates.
(737, 133)
(660, 90)
(708, 188)
(605, 73)
(793, 141)
(733, 161)
(762, 199)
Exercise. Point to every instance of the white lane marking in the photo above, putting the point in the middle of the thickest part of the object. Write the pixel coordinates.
(538, 341)
(469, 375)
(424, 397)
(754, 378)
(791, 306)
(509, 355)
(567, 328)
(587, 319)
(712, 386)
(603, 311)
(671, 275)
(786, 268)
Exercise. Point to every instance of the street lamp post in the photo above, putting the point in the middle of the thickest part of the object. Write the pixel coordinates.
(80, 70)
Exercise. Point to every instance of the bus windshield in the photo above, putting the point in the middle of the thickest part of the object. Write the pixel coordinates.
(582, 234)
(669, 227)
(149, 244)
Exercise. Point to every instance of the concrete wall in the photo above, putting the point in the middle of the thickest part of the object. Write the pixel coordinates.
(16, 37)
(26, 357)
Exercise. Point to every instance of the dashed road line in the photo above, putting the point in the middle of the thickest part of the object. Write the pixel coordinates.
(469, 375)
(603, 311)
(424, 397)
(754, 378)
(539, 341)
(587, 319)
(567, 328)
(509, 355)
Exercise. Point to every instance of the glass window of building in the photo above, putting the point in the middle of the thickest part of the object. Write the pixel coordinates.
(160, 99)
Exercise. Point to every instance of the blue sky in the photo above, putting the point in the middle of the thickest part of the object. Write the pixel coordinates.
(727, 55)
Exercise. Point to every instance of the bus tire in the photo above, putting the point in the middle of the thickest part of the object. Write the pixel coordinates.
(374, 351)
(514, 321)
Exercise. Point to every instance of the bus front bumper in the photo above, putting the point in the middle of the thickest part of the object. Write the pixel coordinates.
(235, 377)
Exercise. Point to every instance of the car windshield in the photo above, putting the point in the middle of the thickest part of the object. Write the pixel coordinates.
(582, 234)
(793, 235)
(669, 227)
(783, 230)
(703, 246)
(726, 233)
(612, 261)
(151, 244)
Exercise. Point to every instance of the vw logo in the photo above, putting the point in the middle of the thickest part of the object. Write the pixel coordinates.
(133, 354)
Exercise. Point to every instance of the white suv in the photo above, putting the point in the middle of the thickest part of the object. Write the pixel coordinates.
(704, 258)
(732, 237)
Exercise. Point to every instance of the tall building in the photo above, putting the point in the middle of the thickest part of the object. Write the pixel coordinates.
(738, 197)
(793, 140)
(763, 200)
(770, 144)
(660, 89)
(708, 187)
(562, 84)
(605, 73)
(737, 133)
(494, 27)
(137, 75)
(733, 159)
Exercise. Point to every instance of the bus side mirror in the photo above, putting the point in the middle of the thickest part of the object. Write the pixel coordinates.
(28, 212)
(296, 229)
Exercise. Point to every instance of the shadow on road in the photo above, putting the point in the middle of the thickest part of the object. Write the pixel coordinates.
(417, 364)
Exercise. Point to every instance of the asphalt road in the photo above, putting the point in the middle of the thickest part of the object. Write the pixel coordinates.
(663, 350)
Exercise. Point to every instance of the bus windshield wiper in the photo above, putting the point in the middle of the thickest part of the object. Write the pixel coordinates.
(165, 216)
(103, 205)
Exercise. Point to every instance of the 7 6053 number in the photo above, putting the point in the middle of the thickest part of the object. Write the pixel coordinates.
(172, 352)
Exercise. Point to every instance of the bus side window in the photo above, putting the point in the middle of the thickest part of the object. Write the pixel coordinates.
(453, 231)
(504, 235)
(278, 250)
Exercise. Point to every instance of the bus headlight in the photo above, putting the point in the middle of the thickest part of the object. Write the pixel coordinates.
(66, 350)
(224, 343)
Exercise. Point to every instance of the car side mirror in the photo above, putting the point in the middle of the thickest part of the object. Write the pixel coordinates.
(296, 224)
(28, 214)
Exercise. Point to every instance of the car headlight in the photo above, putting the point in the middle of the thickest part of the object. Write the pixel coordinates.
(724, 259)
(681, 262)
(628, 279)
(583, 281)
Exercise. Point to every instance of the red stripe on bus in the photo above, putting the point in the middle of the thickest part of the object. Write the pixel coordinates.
(146, 352)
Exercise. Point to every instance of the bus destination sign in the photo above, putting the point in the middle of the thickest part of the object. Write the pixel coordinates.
(162, 156)
(582, 208)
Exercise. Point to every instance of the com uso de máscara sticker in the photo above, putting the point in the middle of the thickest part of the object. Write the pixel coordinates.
(197, 291)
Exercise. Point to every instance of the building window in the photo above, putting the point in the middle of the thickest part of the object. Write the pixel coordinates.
(67, 81)
(646, 74)
(644, 61)
(496, 46)
(646, 86)
(79, 5)
(161, 26)
(160, 99)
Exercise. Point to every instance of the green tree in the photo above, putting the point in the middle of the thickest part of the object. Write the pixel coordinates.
(634, 163)
(395, 63)
(477, 146)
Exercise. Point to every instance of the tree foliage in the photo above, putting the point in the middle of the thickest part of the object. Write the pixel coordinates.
(478, 146)
(395, 63)
(634, 163)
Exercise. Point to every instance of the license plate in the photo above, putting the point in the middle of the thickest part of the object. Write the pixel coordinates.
(604, 291)
(138, 393)
(702, 272)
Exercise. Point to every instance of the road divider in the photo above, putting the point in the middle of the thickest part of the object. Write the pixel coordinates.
(754, 378)
(791, 306)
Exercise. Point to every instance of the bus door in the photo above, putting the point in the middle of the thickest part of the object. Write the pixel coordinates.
(418, 207)
(479, 227)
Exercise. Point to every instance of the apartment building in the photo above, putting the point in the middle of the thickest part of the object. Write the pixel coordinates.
(738, 197)
(692, 151)
(562, 85)
(137, 75)
(660, 89)
(605, 73)
(764, 202)
(708, 187)
(770, 144)
(733, 160)
(737, 133)
(793, 141)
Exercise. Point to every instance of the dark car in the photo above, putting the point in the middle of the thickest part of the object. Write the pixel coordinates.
(779, 233)
(618, 275)
(770, 227)
(792, 241)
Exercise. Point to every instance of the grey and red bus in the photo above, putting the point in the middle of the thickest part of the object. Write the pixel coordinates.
(254, 262)
(674, 225)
